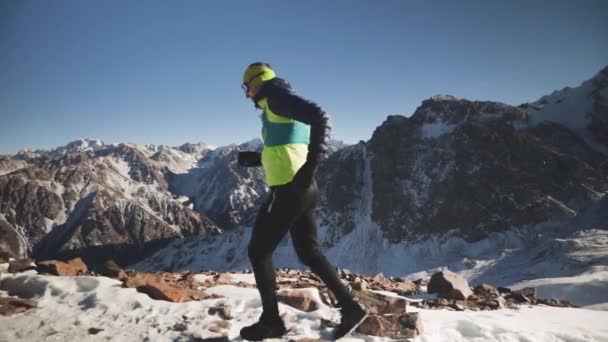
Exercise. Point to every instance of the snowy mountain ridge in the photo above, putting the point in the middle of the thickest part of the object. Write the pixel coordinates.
(460, 184)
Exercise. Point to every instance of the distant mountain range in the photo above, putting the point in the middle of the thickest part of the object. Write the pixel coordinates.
(454, 169)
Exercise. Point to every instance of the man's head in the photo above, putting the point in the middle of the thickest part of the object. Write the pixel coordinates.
(255, 75)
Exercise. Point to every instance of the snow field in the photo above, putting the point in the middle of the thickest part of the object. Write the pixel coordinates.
(70, 306)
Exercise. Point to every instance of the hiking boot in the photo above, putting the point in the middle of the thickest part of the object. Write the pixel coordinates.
(264, 328)
(352, 315)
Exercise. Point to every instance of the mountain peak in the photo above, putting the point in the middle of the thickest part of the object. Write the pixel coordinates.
(81, 145)
(442, 97)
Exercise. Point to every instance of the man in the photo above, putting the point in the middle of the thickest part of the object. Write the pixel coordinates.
(295, 132)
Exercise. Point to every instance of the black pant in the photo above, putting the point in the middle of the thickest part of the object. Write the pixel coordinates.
(290, 208)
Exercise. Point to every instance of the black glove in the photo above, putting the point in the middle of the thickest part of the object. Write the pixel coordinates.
(250, 159)
(314, 157)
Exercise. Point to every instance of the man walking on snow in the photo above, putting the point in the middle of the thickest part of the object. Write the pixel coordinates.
(295, 132)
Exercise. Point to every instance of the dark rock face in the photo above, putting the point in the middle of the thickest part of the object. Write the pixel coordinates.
(340, 180)
(28, 203)
(460, 165)
(598, 116)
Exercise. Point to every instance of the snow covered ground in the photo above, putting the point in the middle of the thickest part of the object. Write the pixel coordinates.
(561, 259)
(70, 306)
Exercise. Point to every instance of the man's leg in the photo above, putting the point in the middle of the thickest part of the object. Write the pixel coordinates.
(275, 218)
(304, 237)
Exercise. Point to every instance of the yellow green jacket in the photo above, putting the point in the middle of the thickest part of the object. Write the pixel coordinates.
(294, 130)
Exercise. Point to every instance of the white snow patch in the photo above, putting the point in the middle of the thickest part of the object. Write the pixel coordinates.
(70, 306)
(569, 108)
(589, 288)
(528, 324)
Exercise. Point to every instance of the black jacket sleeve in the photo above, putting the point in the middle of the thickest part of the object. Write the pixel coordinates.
(283, 101)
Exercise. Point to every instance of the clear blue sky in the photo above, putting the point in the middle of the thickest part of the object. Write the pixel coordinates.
(169, 72)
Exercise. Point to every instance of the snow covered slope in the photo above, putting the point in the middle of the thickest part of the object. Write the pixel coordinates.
(73, 308)
(583, 109)
(576, 247)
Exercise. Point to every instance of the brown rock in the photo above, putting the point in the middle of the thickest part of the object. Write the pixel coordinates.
(359, 284)
(379, 304)
(4, 257)
(406, 287)
(20, 265)
(157, 287)
(12, 305)
(504, 290)
(189, 277)
(299, 299)
(449, 285)
(222, 310)
(112, 270)
(223, 279)
(454, 294)
(529, 292)
(403, 326)
(485, 290)
(163, 292)
(560, 303)
(379, 278)
(71, 268)
(138, 279)
(518, 298)
(494, 303)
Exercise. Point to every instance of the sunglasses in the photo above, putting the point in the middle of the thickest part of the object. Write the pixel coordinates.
(245, 86)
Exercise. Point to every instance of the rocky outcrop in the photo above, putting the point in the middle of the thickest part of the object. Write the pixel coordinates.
(70, 268)
(598, 115)
(21, 265)
(448, 284)
(111, 269)
(379, 304)
(11, 305)
(165, 287)
(460, 165)
(341, 181)
(404, 326)
(300, 299)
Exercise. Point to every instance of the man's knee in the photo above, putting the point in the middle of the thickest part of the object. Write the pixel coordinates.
(310, 257)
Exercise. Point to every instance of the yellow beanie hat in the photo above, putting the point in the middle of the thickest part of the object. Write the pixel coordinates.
(256, 74)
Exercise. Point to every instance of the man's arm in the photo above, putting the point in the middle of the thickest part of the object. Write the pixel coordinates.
(283, 101)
